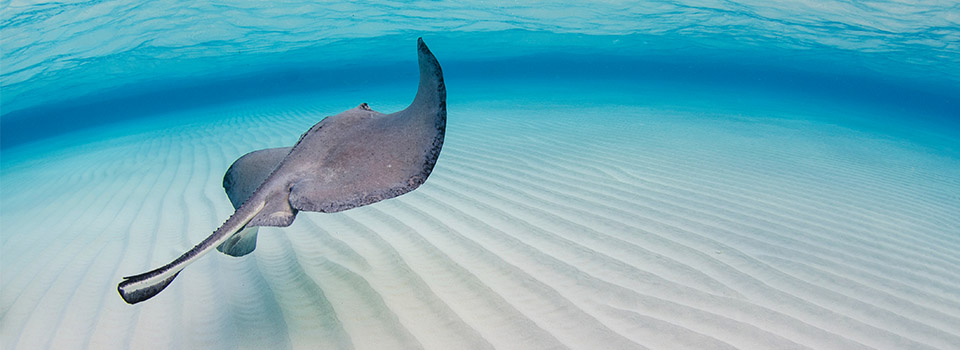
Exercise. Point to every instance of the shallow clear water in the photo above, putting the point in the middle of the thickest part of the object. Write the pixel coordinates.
(690, 174)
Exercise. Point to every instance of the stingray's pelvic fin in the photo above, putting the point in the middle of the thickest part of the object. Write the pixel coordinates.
(241, 243)
(243, 177)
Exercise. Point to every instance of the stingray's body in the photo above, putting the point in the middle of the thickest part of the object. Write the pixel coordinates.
(348, 160)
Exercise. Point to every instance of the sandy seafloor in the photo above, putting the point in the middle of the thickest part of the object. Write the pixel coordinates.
(553, 219)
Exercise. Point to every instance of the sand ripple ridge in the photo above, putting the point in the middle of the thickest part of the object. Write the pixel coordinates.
(573, 229)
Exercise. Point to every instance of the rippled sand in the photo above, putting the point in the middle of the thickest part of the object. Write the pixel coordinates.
(556, 225)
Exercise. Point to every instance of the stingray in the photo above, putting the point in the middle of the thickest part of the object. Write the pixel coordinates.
(348, 160)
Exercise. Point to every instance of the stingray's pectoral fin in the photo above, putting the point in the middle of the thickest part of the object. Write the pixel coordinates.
(240, 244)
(135, 289)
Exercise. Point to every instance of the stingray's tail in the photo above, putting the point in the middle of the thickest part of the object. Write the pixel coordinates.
(135, 289)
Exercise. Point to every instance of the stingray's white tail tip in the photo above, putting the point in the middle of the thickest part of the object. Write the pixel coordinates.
(135, 289)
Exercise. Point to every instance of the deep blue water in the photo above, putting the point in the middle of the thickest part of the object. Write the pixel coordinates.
(72, 65)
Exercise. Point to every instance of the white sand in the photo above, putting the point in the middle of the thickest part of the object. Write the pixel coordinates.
(603, 226)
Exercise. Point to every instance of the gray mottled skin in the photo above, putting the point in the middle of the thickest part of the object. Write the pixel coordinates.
(348, 160)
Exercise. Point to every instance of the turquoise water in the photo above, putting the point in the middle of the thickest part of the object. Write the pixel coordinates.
(88, 63)
(659, 175)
